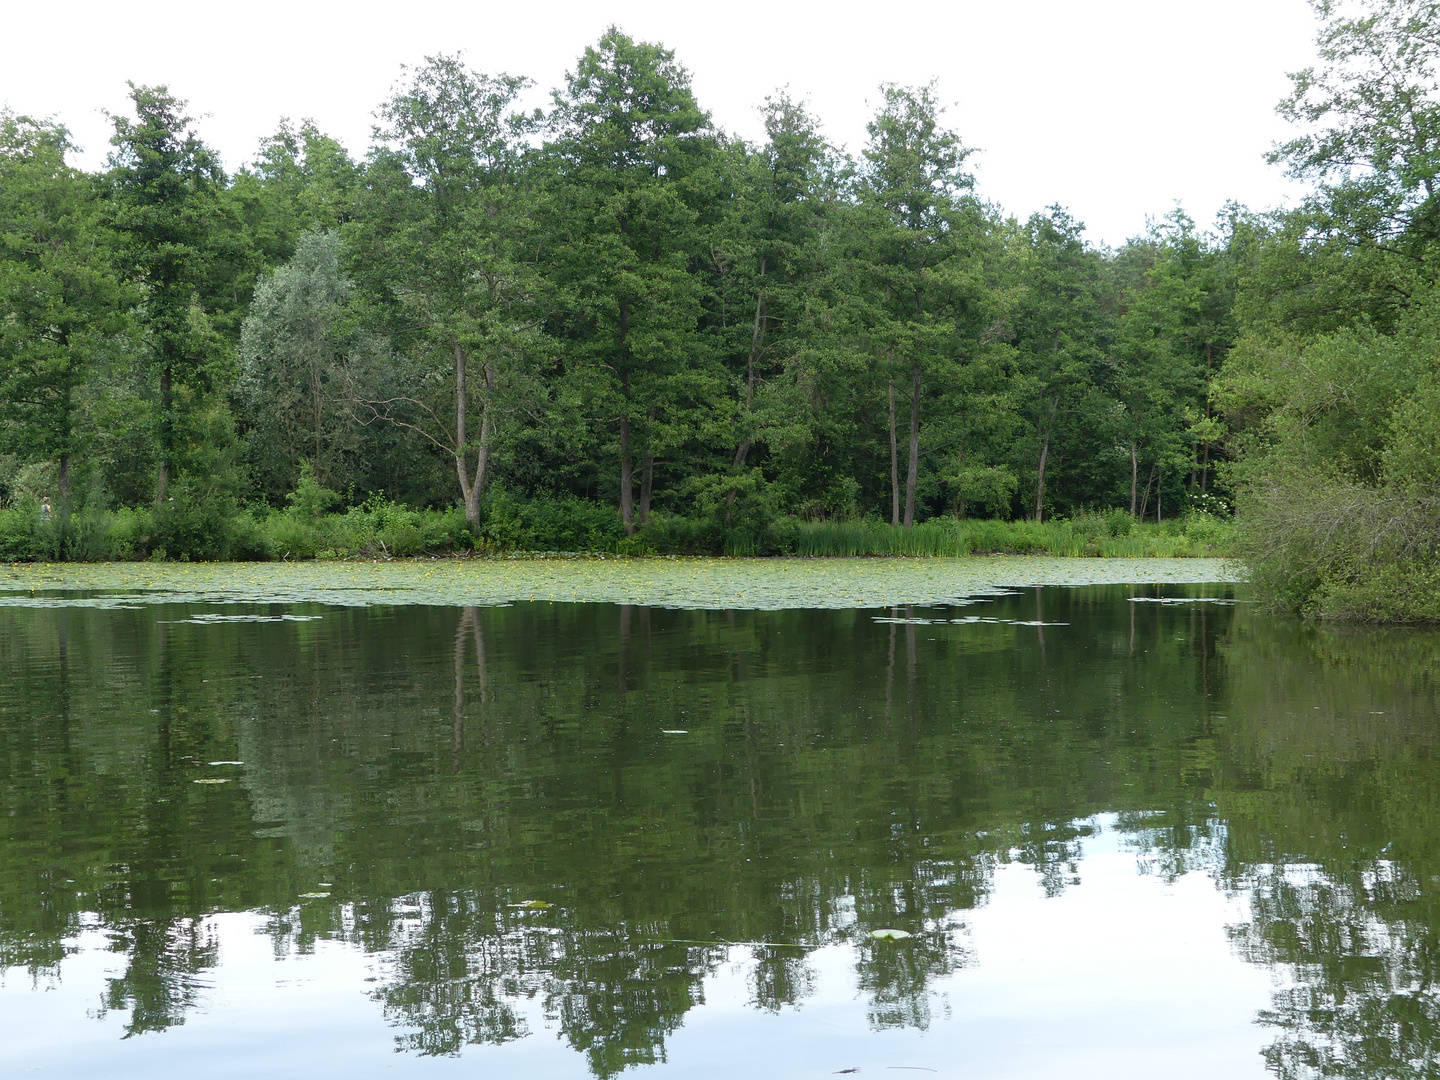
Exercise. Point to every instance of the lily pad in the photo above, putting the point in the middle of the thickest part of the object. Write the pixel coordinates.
(890, 935)
(314, 895)
(212, 780)
(532, 905)
(672, 582)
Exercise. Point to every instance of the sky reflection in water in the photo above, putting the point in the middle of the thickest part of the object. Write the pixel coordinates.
(1136, 838)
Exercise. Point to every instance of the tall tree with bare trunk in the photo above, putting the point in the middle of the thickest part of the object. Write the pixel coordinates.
(443, 244)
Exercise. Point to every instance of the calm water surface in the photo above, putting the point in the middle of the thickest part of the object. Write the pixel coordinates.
(1132, 832)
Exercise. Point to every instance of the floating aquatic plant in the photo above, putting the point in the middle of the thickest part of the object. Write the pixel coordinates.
(705, 583)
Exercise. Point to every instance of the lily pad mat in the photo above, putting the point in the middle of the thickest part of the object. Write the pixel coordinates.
(661, 582)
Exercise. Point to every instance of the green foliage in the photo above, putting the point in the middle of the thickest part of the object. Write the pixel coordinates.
(297, 366)
(1374, 102)
(632, 163)
(309, 499)
(991, 487)
(376, 529)
(1330, 391)
(163, 200)
(1381, 591)
(199, 525)
(1338, 479)
(607, 326)
(16, 530)
(62, 305)
(546, 523)
(1089, 535)
(441, 245)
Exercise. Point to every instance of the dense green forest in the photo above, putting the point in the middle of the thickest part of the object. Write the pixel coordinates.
(609, 325)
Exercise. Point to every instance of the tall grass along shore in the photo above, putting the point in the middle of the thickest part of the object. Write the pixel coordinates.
(381, 529)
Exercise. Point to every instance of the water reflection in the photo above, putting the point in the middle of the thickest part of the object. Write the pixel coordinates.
(578, 817)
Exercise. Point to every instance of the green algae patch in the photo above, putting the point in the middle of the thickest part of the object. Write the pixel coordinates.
(699, 583)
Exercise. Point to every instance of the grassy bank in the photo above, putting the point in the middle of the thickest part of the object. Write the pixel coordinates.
(387, 530)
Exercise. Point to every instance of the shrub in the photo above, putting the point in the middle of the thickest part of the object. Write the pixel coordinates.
(130, 532)
(204, 526)
(16, 544)
(1119, 523)
(548, 523)
(1389, 592)
(293, 537)
(669, 534)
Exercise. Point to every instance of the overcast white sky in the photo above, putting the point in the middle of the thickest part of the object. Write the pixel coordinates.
(1114, 108)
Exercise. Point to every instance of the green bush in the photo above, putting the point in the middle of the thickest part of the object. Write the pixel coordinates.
(16, 540)
(1090, 535)
(79, 537)
(1381, 592)
(669, 534)
(130, 531)
(199, 526)
(1119, 523)
(548, 523)
(293, 537)
(377, 528)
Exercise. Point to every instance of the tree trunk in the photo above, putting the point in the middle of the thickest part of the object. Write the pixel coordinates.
(1205, 461)
(316, 395)
(462, 469)
(1159, 483)
(67, 411)
(1040, 470)
(1145, 495)
(741, 452)
(167, 436)
(912, 472)
(627, 479)
(473, 490)
(470, 487)
(757, 340)
(1134, 476)
(647, 480)
(894, 463)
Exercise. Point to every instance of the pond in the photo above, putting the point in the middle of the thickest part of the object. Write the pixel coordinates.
(385, 825)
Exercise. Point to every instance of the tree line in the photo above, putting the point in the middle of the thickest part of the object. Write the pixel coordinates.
(611, 306)
(611, 299)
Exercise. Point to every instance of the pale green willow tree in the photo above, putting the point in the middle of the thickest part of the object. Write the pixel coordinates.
(303, 362)
(441, 247)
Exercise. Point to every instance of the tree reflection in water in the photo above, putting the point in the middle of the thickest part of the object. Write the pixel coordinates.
(447, 772)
